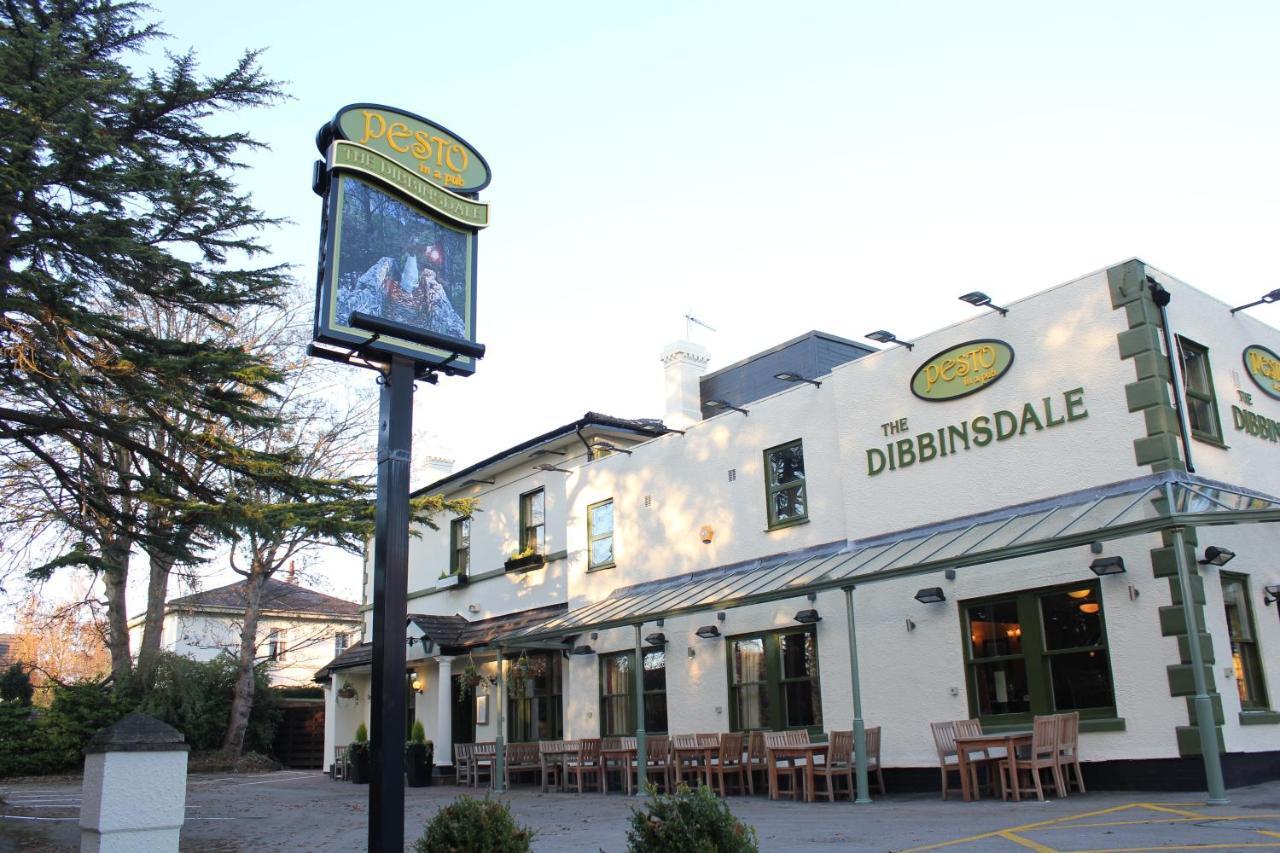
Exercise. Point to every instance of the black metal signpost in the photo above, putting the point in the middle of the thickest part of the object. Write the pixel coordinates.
(395, 293)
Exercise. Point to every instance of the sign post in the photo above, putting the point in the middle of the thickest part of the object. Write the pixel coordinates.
(395, 293)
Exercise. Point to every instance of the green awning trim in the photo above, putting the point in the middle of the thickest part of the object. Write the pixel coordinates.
(1115, 511)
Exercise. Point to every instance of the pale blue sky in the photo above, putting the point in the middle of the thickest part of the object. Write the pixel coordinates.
(774, 168)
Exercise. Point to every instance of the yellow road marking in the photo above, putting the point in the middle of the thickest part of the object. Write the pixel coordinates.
(1026, 842)
(1185, 816)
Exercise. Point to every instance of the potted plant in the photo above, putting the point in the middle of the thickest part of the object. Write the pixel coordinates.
(419, 757)
(358, 754)
(450, 579)
(523, 560)
(518, 676)
(470, 678)
(346, 691)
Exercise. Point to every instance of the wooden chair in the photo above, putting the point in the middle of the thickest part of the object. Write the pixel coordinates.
(658, 760)
(839, 765)
(986, 759)
(944, 740)
(788, 738)
(549, 761)
(586, 763)
(729, 761)
(522, 758)
(483, 758)
(873, 756)
(620, 766)
(687, 758)
(1069, 749)
(756, 760)
(1043, 755)
(339, 768)
(462, 763)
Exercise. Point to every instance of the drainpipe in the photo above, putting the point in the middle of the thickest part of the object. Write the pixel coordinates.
(1202, 703)
(1162, 298)
(499, 744)
(642, 754)
(859, 727)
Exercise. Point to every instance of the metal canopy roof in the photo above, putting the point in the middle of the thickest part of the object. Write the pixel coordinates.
(1122, 509)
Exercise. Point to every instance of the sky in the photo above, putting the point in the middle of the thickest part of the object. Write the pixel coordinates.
(772, 168)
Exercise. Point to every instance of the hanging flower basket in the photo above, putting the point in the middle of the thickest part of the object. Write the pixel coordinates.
(470, 678)
(346, 691)
(518, 676)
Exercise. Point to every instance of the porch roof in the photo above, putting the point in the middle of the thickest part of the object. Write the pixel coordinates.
(1143, 505)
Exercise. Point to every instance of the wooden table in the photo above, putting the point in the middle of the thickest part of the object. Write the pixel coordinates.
(1010, 741)
(562, 750)
(807, 751)
(624, 755)
(704, 750)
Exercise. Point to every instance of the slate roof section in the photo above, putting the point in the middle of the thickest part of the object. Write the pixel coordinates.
(360, 654)
(442, 630)
(277, 596)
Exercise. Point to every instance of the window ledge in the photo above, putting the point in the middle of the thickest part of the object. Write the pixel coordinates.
(1259, 718)
(1205, 438)
(1096, 724)
(602, 567)
(782, 525)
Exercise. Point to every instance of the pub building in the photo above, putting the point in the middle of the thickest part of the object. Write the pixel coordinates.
(988, 517)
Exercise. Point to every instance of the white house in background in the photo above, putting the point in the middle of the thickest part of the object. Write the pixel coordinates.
(1009, 510)
(299, 629)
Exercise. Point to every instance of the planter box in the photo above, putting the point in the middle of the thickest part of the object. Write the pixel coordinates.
(418, 761)
(524, 564)
(360, 766)
(449, 581)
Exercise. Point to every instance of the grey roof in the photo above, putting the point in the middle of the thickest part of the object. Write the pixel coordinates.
(1110, 512)
(442, 630)
(360, 654)
(277, 595)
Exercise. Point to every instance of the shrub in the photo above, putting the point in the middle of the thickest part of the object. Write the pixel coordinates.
(15, 685)
(22, 750)
(688, 822)
(362, 733)
(474, 826)
(417, 734)
(195, 698)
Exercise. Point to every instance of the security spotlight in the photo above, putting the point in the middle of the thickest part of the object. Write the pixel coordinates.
(808, 617)
(1215, 556)
(1273, 296)
(884, 337)
(930, 595)
(1107, 566)
(708, 632)
(979, 299)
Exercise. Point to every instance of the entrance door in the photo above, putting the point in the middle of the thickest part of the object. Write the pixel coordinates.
(464, 715)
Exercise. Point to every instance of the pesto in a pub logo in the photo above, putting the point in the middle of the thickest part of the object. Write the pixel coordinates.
(1263, 367)
(962, 370)
(422, 146)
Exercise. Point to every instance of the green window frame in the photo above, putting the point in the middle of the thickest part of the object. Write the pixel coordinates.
(784, 484)
(460, 546)
(1197, 385)
(617, 692)
(1039, 651)
(533, 521)
(537, 713)
(773, 681)
(1245, 657)
(600, 535)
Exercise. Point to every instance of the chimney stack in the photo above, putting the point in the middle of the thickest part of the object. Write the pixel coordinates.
(683, 363)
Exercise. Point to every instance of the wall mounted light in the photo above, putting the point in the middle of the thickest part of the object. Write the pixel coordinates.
(708, 632)
(788, 376)
(1107, 566)
(656, 639)
(1273, 296)
(911, 625)
(884, 337)
(1216, 556)
(691, 652)
(706, 533)
(547, 466)
(1272, 594)
(978, 299)
(723, 404)
(416, 684)
(583, 650)
(808, 617)
(930, 595)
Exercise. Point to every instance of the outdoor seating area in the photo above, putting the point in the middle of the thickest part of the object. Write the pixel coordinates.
(791, 764)
(1013, 762)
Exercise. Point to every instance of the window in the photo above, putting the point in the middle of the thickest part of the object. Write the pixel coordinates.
(1244, 643)
(600, 535)
(784, 484)
(536, 713)
(1202, 406)
(340, 642)
(773, 681)
(277, 646)
(617, 693)
(533, 527)
(1038, 652)
(460, 546)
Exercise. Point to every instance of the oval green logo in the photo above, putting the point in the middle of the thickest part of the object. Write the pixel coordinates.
(1264, 369)
(962, 370)
(420, 145)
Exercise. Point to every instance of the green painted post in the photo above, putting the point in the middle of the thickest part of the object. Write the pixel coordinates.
(642, 754)
(499, 743)
(859, 727)
(1203, 705)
